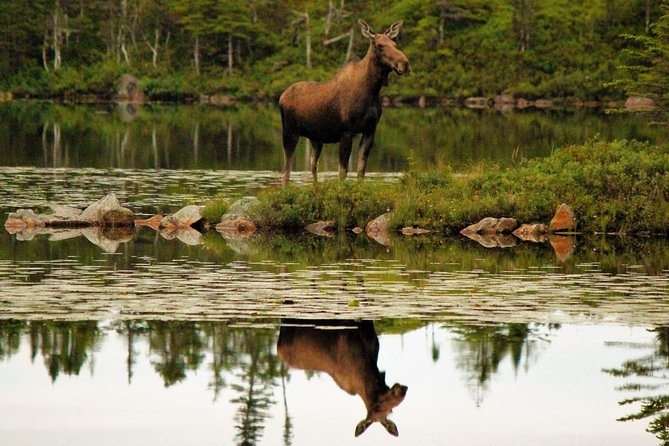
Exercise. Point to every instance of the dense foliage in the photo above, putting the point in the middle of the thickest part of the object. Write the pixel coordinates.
(255, 48)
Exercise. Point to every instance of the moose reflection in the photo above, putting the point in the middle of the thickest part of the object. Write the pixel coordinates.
(348, 352)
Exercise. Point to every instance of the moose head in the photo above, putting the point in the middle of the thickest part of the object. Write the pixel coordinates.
(385, 48)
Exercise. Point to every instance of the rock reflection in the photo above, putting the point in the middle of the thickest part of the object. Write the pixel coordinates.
(347, 351)
(649, 376)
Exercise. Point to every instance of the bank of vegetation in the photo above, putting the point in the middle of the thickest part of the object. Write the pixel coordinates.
(619, 186)
(254, 49)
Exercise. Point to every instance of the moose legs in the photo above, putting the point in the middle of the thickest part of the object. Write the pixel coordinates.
(366, 143)
(289, 144)
(345, 146)
(316, 148)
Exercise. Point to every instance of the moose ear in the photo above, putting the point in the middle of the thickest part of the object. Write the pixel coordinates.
(362, 426)
(390, 427)
(365, 29)
(394, 29)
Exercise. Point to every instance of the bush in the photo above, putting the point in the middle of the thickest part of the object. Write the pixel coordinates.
(612, 186)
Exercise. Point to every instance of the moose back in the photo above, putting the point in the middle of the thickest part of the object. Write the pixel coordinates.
(336, 110)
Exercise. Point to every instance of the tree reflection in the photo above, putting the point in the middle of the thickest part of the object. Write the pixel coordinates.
(479, 351)
(653, 367)
(10, 337)
(64, 346)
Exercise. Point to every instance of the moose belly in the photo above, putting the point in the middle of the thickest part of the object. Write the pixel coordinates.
(323, 130)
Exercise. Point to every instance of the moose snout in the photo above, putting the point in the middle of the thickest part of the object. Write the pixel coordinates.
(402, 68)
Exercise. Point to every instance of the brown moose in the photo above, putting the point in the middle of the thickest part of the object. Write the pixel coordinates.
(336, 110)
(349, 356)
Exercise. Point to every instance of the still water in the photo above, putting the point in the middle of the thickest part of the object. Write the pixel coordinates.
(132, 338)
(249, 137)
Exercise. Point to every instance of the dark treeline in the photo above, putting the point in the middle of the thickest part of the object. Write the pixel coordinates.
(255, 48)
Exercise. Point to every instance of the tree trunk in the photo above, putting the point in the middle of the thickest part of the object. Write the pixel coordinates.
(45, 46)
(307, 24)
(125, 54)
(230, 54)
(648, 2)
(56, 39)
(349, 49)
(196, 141)
(328, 19)
(196, 55)
(229, 144)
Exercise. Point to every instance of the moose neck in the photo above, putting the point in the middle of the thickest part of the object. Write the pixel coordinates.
(374, 385)
(376, 74)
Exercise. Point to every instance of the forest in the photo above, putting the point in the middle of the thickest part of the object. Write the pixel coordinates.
(180, 49)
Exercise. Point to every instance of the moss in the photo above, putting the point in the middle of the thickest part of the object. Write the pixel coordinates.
(215, 208)
(618, 186)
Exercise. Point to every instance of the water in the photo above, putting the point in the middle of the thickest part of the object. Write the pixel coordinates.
(126, 338)
(215, 383)
(106, 136)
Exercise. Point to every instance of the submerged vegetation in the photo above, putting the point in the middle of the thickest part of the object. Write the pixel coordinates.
(619, 186)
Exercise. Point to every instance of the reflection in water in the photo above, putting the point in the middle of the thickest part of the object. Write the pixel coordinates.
(249, 137)
(480, 350)
(650, 374)
(237, 374)
(348, 352)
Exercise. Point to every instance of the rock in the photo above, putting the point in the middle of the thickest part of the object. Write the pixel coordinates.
(535, 232)
(493, 240)
(108, 239)
(410, 230)
(564, 246)
(543, 103)
(218, 99)
(24, 219)
(107, 212)
(506, 225)
(639, 103)
(378, 229)
(187, 235)
(238, 228)
(129, 89)
(356, 230)
(523, 103)
(476, 102)
(152, 222)
(182, 219)
(321, 228)
(487, 225)
(65, 212)
(491, 225)
(563, 220)
(504, 99)
(241, 209)
(422, 102)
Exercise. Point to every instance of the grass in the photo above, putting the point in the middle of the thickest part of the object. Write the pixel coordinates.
(618, 186)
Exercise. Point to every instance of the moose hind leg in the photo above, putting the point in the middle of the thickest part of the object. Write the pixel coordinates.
(289, 144)
(345, 145)
(316, 148)
(366, 143)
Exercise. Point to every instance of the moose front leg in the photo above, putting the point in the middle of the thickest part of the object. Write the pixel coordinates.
(345, 146)
(289, 144)
(316, 148)
(366, 143)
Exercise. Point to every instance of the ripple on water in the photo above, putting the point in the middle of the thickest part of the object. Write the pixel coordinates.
(243, 290)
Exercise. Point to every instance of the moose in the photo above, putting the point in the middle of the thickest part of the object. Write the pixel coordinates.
(336, 110)
(348, 353)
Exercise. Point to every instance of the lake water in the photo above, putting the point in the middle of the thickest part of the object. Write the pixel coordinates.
(136, 339)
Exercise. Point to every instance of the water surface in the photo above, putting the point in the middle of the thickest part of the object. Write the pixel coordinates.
(131, 337)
